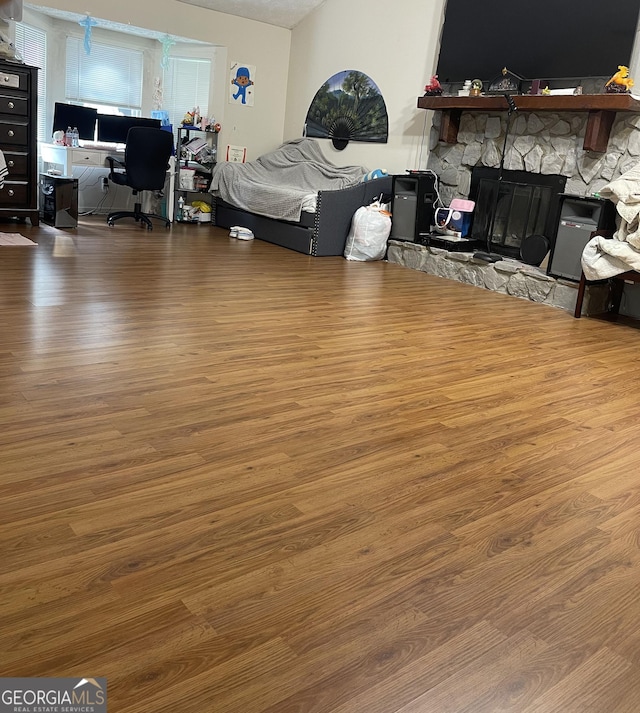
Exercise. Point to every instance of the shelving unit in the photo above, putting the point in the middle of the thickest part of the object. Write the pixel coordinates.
(196, 155)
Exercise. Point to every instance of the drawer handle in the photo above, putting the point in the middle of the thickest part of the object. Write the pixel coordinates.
(6, 78)
(12, 105)
(11, 164)
(11, 133)
(11, 192)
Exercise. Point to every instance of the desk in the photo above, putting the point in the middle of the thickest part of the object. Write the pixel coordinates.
(68, 157)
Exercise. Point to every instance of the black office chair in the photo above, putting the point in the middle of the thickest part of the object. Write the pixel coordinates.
(146, 159)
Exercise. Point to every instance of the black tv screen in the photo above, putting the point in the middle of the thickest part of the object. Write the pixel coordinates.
(71, 116)
(114, 129)
(545, 39)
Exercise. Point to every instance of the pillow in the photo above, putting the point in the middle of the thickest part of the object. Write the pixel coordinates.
(376, 173)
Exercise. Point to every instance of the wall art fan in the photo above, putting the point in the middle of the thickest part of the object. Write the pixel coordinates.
(348, 107)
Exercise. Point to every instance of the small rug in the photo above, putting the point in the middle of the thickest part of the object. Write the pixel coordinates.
(7, 239)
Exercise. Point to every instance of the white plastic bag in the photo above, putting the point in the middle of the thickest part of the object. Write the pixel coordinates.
(370, 229)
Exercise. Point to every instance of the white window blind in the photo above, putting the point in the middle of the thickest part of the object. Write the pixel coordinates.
(186, 85)
(109, 75)
(31, 43)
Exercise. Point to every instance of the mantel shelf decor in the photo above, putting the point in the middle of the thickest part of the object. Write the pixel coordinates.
(602, 109)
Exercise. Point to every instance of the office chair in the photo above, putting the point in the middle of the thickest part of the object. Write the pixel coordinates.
(146, 159)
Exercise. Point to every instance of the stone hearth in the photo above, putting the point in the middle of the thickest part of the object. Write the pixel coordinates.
(509, 277)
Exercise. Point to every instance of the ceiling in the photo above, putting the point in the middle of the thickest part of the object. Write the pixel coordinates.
(109, 25)
(283, 13)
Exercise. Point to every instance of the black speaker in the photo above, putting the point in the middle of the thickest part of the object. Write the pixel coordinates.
(412, 206)
(59, 201)
(579, 218)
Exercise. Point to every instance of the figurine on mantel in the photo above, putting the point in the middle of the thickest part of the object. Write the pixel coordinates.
(620, 83)
(433, 89)
(476, 88)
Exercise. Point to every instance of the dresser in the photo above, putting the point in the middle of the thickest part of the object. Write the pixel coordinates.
(18, 140)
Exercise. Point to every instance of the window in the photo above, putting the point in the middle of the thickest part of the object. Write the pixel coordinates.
(110, 76)
(186, 85)
(31, 43)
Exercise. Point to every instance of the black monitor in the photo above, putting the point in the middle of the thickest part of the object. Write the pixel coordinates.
(114, 129)
(81, 117)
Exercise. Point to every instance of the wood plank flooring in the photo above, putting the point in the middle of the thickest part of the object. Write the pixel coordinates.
(236, 479)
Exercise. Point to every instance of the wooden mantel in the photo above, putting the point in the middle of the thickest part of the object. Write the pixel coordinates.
(602, 109)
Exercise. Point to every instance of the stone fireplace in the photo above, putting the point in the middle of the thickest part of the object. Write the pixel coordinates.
(545, 144)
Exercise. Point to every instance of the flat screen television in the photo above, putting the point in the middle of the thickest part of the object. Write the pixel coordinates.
(545, 39)
(114, 129)
(71, 115)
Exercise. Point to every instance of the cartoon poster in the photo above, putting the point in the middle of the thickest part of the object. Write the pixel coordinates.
(242, 85)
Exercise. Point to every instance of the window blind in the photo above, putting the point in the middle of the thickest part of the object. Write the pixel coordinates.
(186, 85)
(109, 75)
(31, 43)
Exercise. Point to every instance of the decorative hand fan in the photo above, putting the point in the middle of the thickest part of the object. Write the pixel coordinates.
(348, 107)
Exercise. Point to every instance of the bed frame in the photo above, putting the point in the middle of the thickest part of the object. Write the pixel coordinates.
(319, 234)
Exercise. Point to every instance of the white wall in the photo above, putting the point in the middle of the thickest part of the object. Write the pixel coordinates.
(396, 45)
(259, 128)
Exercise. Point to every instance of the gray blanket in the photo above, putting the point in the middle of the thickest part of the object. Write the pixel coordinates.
(275, 184)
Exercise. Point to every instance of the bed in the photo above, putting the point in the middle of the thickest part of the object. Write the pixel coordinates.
(294, 197)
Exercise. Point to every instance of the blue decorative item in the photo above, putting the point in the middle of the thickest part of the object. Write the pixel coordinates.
(88, 23)
(242, 81)
(167, 43)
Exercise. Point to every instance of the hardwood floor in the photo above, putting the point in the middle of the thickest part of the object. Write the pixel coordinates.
(236, 479)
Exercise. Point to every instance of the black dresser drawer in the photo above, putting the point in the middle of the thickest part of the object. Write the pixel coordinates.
(13, 105)
(14, 79)
(14, 195)
(14, 134)
(17, 165)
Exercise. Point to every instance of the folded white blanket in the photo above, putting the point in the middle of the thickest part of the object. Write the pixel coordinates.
(605, 257)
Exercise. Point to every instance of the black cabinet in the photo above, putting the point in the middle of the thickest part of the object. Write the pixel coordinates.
(412, 206)
(579, 219)
(18, 140)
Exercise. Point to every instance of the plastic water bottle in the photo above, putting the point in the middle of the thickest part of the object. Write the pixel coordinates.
(180, 208)
(75, 137)
(68, 137)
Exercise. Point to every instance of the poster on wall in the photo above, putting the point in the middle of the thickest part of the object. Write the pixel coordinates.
(242, 83)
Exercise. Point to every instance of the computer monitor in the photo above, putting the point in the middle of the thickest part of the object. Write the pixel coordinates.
(81, 117)
(114, 129)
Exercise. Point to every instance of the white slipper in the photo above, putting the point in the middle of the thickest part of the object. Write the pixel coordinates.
(245, 234)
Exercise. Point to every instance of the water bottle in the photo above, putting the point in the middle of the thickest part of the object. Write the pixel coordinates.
(75, 138)
(180, 208)
(68, 137)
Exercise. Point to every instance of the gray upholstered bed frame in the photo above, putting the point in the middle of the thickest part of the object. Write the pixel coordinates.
(321, 233)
